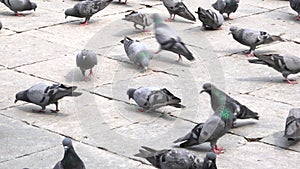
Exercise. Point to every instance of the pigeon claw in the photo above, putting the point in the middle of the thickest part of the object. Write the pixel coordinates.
(170, 20)
(249, 55)
(141, 110)
(19, 14)
(291, 81)
(217, 150)
(83, 23)
(298, 18)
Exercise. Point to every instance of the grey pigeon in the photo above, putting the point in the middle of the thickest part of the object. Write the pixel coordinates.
(252, 38)
(151, 98)
(226, 6)
(70, 160)
(86, 9)
(176, 159)
(176, 7)
(286, 64)
(220, 99)
(137, 52)
(138, 18)
(292, 125)
(210, 19)
(211, 130)
(169, 40)
(0, 25)
(295, 5)
(43, 94)
(19, 5)
(86, 59)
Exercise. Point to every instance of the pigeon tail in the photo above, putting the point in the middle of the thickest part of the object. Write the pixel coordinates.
(246, 113)
(186, 13)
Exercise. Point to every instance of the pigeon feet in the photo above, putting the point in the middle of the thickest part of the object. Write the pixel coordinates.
(233, 125)
(291, 81)
(219, 28)
(179, 58)
(91, 73)
(19, 14)
(141, 110)
(298, 18)
(170, 20)
(85, 79)
(83, 23)
(228, 18)
(55, 111)
(217, 150)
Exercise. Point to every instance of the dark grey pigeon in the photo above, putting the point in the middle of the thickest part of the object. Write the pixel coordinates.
(86, 59)
(138, 18)
(70, 160)
(295, 5)
(151, 98)
(169, 40)
(252, 38)
(137, 52)
(19, 5)
(211, 130)
(219, 99)
(286, 64)
(210, 19)
(176, 7)
(176, 159)
(86, 9)
(226, 6)
(292, 125)
(43, 94)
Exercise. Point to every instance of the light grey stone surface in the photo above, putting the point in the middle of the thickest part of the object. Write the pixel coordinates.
(106, 128)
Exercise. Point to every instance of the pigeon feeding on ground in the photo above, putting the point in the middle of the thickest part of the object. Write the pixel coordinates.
(211, 130)
(219, 99)
(137, 52)
(151, 98)
(19, 5)
(286, 64)
(70, 160)
(138, 18)
(176, 7)
(210, 19)
(176, 159)
(226, 6)
(295, 5)
(169, 40)
(86, 59)
(86, 9)
(42, 94)
(252, 38)
(292, 125)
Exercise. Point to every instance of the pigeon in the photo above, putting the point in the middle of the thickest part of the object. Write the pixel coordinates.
(86, 59)
(138, 18)
(0, 25)
(220, 99)
(292, 125)
(176, 159)
(252, 38)
(137, 52)
(210, 19)
(176, 7)
(86, 9)
(169, 40)
(211, 130)
(43, 94)
(70, 160)
(295, 5)
(286, 64)
(151, 98)
(226, 6)
(19, 5)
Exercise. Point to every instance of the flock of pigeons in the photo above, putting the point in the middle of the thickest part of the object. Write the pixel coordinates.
(226, 109)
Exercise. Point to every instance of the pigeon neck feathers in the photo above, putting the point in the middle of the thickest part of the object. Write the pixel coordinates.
(22, 96)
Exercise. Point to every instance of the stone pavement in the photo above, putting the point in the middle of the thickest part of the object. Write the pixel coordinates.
(105, 127)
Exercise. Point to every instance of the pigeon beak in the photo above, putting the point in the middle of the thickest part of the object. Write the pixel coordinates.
(202, 91)
(15, 101)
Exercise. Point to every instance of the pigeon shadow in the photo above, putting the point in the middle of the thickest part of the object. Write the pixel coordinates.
(244, 123)
(128, 32)
(152, 113)
(35, 110)
(280, 140)
(74, 75)
(169, 60)
(7, 13)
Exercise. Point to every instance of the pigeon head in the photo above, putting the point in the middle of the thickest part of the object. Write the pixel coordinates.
(233, 30)
(33, 5)
(130, 93)
(210, 161)
(207, 87)
(21, 96)
(67, 143)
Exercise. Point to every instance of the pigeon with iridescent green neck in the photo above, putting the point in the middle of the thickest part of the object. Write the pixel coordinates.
(219, 99)
(211, 130)
(137, 52)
